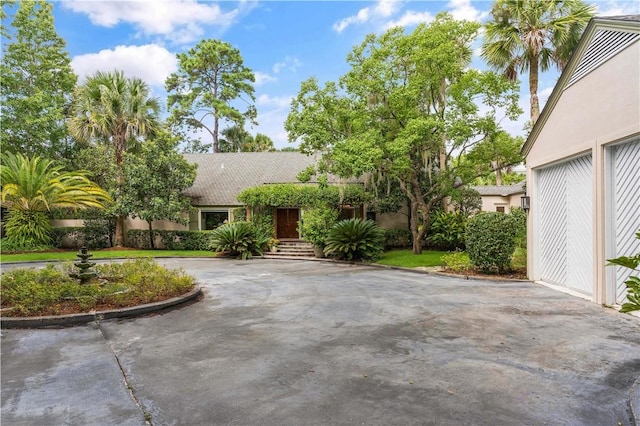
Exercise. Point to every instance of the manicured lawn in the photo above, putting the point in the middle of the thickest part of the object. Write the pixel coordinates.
(406, 258)
(108, 254)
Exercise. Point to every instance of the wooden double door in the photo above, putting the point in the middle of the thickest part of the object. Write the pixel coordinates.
(287, 223)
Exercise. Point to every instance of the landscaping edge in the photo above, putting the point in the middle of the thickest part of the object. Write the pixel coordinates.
(78, 319)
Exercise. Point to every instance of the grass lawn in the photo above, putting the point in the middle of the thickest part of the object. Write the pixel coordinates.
(107, 254)
(406, 258)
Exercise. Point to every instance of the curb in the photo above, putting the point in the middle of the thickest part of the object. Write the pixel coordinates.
(634, 402)
(78, 319)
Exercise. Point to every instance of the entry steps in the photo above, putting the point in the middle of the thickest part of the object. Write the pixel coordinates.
(292, 249)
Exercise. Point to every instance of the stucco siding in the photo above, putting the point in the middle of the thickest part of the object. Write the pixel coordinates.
(602, 107)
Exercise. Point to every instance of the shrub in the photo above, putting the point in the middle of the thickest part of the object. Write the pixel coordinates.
(316, 223)
(456, 261)
(355, 239)
(397, 238)
(27, 229)
(170, 240)
(490, 241)
(50, 291)
(447, 231)
(240, 239)
(633, 282)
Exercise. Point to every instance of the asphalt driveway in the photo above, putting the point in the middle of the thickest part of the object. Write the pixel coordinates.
(314, 343)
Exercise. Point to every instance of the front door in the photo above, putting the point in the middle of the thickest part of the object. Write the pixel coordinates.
(287, 223)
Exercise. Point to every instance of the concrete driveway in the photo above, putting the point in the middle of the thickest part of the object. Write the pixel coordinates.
(315, 343)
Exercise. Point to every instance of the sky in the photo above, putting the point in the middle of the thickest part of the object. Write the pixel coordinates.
(283, 42)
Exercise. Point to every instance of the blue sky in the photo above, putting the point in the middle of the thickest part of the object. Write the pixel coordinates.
(283, 42)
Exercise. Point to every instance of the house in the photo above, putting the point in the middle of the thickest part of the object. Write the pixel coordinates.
(583, 166)
(222, 176)
(500, 198)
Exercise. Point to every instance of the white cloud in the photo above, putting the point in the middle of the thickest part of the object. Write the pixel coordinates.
(290, 63)
(463, 9)
(382, 9)
(178, 20)
(263, 78)
(614, 7)
(150, 62)
(274, 101)
(410, 18)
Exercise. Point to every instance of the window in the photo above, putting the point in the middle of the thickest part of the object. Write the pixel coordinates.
(500, 209)
(211, 220)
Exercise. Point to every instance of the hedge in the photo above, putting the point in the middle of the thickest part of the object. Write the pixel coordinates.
(169, 240)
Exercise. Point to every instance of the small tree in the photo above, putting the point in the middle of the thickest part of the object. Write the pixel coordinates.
(490, 241)
(154, 180)
(32, 187)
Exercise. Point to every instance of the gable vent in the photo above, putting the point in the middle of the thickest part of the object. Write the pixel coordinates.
(604, 45)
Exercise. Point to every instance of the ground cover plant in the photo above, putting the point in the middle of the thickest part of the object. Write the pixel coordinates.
(50, 290)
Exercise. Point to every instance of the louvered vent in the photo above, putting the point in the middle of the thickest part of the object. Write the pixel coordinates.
(604, 45)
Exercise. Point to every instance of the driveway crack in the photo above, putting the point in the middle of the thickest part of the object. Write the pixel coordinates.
(146, 414)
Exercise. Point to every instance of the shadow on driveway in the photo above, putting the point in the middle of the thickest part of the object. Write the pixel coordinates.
(314, 343)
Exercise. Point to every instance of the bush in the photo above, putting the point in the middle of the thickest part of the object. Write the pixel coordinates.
(27, 229)
(316, 223)
(169, 240)
(633, 282)
(8, 246)
(456, 261)
(490, 241)
(50, 291)
(397, 238)
(447, 231)
(355, 239)
(240, 239)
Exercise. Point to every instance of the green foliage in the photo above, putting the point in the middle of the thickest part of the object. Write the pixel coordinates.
(110, 108)
(237, 139)
(533, 35)
(32, 187)
(36, 79)
(355, 239)
(447, 230)
(633, 282)
(397, 238)
(263, 219)
(240, 239)
(169, 240)
(466, 200)
(27, 228)
(49, 291)
(154, 179)
(490, 241)
(94, 235)
(292, 195)
(407, 107)
(495, 154)
(210, 77)
(316, 223)
(457, 261)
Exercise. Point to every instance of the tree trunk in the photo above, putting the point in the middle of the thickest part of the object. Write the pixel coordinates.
(533, 90)
(119, 231)
(151, 243)
(216, 125)
(415, 233)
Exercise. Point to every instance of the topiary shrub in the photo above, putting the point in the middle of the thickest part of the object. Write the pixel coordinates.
(240, 239)
(490, 241)
(447, 231)
(355, 239)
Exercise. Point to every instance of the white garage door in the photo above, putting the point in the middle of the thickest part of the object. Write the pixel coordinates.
(625, 209)
(565, 224)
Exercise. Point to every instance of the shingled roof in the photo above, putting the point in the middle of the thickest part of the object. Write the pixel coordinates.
(503, 191)
(222, 176)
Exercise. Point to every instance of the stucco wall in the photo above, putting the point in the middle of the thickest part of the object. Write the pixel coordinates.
(602, 107)
(491, 202)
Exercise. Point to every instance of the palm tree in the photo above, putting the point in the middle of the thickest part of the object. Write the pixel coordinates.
(31, 187)
(532, 35)
(111, 108)
(234, 139)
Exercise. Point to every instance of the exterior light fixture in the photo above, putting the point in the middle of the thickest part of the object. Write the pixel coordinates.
(525, 202)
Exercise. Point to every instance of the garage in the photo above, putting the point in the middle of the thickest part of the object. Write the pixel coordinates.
(624, 212)
(566, 224)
